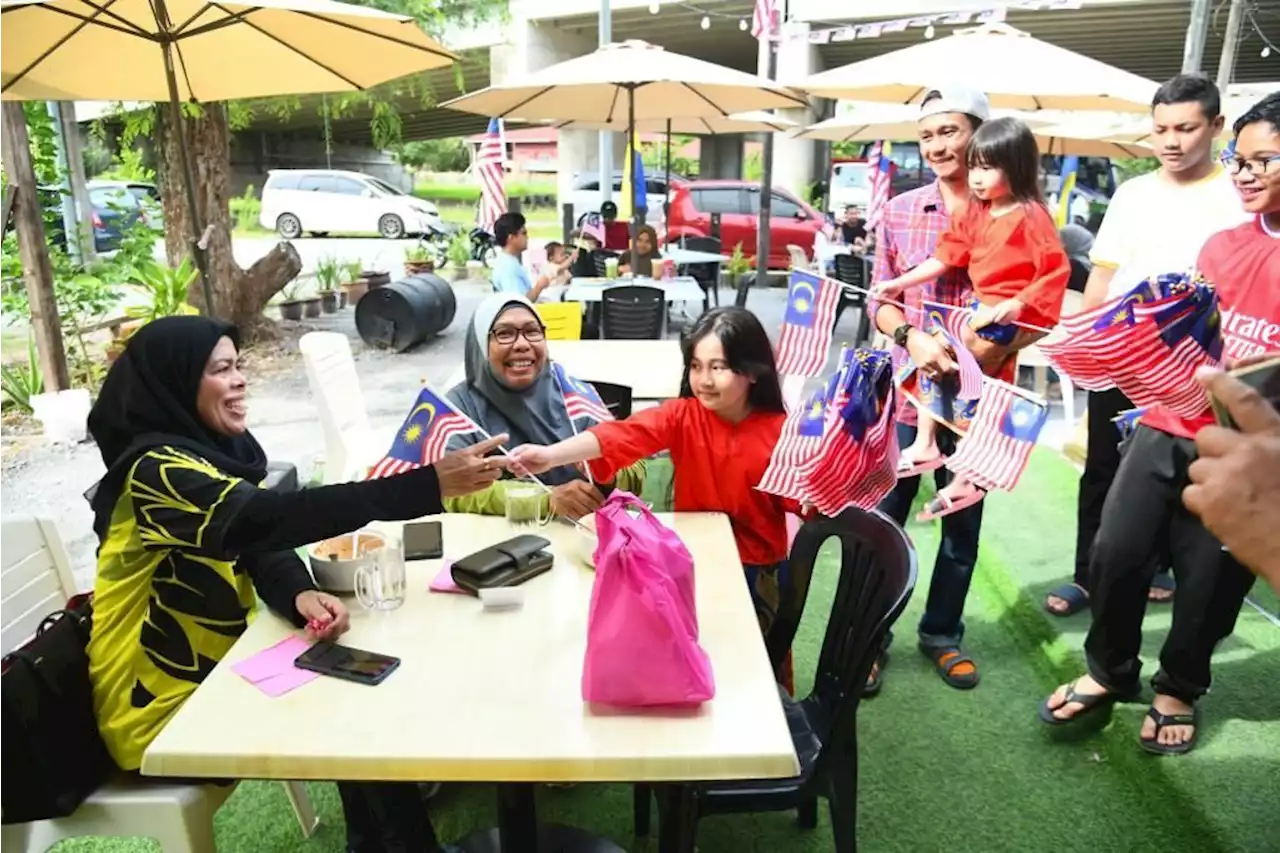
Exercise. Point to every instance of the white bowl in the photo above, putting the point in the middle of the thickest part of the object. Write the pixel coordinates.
(333, 564)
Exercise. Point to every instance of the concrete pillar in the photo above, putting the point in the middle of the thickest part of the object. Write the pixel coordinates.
(720, 157)
(532, 47)
(796, 162)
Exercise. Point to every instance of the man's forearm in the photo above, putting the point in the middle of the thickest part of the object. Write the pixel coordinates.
(889, 318)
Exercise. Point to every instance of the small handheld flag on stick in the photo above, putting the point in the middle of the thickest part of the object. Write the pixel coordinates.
(807, 325)
(994, 452)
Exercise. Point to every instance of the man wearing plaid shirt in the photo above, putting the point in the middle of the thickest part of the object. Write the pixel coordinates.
(907, 234)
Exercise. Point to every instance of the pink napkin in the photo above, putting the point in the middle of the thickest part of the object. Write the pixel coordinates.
(272, 670)
(444, 581)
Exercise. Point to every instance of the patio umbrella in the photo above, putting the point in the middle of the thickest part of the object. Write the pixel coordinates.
(193, 50)
(1016, 71)
(625, 84)
(756, 121)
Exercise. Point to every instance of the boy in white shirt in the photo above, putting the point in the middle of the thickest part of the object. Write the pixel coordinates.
(1156, 223)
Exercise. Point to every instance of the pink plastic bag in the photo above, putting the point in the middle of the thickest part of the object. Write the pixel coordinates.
(642, 631)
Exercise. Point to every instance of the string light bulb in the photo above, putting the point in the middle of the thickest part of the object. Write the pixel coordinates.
(742, 24)
(1266, 51)
(706, 22)
(928, 31)
(653, 8)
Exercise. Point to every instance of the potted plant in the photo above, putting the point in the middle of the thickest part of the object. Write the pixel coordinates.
(352, 280)
(165, 289)
(737, 267)
(376, 278)
(418, 260)
(290, 303)
(459, 253)
(311, 306)
(327, 274)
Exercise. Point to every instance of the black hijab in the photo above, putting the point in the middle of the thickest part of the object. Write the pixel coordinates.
(149, 400)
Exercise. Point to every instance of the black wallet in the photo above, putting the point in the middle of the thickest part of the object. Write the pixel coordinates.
(509, 563)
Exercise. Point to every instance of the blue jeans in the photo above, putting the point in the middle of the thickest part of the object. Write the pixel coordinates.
(941, 624)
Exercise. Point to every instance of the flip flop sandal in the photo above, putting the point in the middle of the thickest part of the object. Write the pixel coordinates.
(1163, 581)
(1090, 701)
(915, 469)
(1162, 722)
(876, 680)
(946, 659)
(942, 506)
(1075, 597)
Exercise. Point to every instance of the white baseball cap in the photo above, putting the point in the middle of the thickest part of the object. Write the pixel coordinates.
(957, 99)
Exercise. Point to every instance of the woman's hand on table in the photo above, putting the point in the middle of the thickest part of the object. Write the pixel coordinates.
(575, 499)
(327, 617)
(470, 469)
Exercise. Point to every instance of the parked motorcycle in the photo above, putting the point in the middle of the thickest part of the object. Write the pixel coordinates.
(482, 247)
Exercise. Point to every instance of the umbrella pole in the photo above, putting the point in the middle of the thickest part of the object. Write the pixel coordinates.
(188, 174)
(666, 201)
(631, 152)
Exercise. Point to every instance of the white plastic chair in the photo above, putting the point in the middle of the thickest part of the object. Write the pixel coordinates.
(349, 445)
(799, 260)
(36, 580)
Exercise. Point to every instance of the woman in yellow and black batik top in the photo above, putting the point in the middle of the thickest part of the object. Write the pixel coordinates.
(187, 536)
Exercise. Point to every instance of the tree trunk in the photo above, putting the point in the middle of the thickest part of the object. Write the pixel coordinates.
(238, 295)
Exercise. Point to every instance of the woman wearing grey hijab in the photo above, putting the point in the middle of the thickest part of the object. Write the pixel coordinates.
(510, 388)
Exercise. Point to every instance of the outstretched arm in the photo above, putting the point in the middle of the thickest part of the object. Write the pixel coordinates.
(914, 277)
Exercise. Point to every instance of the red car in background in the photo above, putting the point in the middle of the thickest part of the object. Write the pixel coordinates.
(792, 222)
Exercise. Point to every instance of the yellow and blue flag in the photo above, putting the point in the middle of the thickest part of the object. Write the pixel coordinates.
(1066, 186)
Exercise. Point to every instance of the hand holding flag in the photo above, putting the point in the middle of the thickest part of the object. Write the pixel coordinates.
(424, 435)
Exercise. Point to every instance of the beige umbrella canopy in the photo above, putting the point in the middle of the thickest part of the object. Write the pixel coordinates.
(1016, 71)
(182, 50)
(625, 83)
(757, 121)
(69, 50)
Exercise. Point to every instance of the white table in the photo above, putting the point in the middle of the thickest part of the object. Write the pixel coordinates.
(691, 256)
(651, 369)
(682, 288)
(483, 696)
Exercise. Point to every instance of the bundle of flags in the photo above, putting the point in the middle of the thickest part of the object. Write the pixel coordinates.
(581, 400)
(840, 449)
(491, 169)
(424, 436)
(807, 324)
(1148, 343)
(994, 452)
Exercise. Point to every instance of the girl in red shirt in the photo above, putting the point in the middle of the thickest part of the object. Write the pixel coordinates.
(1008, 242)
(721, 432)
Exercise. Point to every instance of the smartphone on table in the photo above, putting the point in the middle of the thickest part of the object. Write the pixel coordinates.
(347, 663)
(1263, 377)
(423, 540)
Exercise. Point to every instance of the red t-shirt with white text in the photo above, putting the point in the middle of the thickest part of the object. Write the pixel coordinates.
(1244, 263)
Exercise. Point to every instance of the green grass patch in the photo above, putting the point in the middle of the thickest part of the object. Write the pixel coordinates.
(470, 193)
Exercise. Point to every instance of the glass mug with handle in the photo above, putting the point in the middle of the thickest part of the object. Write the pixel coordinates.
(380, 580)
(524, 507)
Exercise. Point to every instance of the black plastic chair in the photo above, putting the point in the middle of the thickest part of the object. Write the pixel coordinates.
(852, 270)
(706, 275)
(877, 577)
(632, 312)
(616, 398)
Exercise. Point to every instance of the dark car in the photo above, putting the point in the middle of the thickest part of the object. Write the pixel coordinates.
(115, 210)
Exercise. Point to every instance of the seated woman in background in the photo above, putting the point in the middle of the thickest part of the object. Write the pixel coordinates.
(721, 433)
(187, 537)
(640, 261)
(510, 389)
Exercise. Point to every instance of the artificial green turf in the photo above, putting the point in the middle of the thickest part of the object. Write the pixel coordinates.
(943, 770)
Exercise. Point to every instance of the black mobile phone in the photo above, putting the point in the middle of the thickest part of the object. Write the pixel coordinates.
(345, 662)
(1263, 377)
(423, 540)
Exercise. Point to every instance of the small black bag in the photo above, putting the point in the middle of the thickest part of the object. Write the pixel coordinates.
(52, 755)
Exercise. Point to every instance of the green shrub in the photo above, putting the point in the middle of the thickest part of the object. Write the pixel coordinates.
(246, 209)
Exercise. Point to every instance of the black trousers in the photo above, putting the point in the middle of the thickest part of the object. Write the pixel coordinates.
(1102, 460)
(1142, 518)
(386, 817)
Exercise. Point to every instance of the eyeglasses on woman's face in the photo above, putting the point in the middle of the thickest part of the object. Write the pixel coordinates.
(1256, 166)
(506, 335)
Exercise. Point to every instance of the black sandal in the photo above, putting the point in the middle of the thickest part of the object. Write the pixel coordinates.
(1163, 721)
(876, 679)
(1089, 703)
(946, 659)
(1076, 598)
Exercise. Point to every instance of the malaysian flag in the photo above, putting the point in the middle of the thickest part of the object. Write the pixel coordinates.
(764, 19)
(424, 435)
(856, 463)
(1127, 421)
(998, 444)
(492, 170)
(581, 400)
(801, 434)
(807, 324)
(951, 321)
(881, 177)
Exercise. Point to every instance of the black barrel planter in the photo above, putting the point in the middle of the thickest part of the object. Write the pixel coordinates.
(403, 314)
